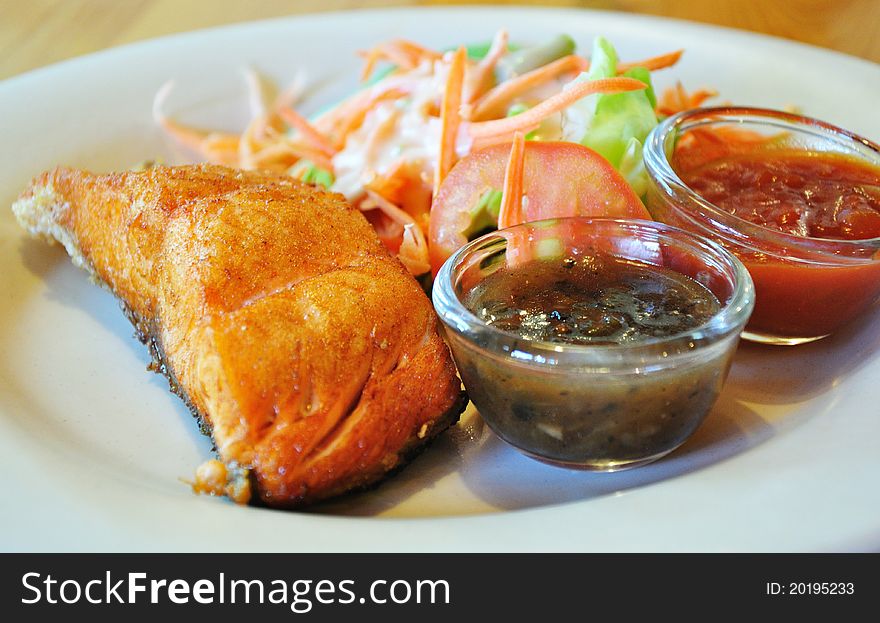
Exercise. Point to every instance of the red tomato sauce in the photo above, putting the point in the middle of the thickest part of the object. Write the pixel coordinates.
(795, 300)
(796, 192)
(801, 193)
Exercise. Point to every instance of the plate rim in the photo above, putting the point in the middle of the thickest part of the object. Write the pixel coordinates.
(144, 46)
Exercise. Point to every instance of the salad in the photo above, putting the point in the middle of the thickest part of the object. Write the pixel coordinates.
(437, 148)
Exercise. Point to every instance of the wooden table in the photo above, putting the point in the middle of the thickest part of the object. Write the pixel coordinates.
(34, 33)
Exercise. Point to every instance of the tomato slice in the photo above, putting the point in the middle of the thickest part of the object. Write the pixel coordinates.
(560, 179)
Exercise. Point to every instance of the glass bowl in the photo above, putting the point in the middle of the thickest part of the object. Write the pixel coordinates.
(601, 407)
(806, 288)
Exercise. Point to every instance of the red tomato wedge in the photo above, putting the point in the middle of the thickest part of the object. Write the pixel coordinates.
(559, 179)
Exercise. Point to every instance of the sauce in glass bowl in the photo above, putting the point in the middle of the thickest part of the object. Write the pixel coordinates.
(596, 299)
(802, 193)
(598, 344)
(797, 200)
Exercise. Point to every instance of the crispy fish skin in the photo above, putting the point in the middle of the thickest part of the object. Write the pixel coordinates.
(312, 356)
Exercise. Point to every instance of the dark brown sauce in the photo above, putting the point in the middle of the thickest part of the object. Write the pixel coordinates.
(591, 300)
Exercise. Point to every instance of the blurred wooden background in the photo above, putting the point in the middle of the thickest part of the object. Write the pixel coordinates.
(34, 33)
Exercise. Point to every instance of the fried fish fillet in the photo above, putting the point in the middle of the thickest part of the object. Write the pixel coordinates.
(309, 353)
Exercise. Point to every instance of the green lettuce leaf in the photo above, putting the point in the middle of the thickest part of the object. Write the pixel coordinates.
(308, 172)
(614, 125)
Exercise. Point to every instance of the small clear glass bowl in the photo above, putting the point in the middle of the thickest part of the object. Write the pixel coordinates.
(806, 288)
(594, 406)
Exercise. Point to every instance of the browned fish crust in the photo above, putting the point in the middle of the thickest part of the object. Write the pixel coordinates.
(303, 348)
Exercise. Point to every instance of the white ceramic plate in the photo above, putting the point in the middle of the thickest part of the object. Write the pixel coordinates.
(92, 446)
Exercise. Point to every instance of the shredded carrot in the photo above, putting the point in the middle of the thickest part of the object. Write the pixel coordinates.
(701, 95)
(214, 147)
(510, 212)
(226, 158)
(483, 71)
(275, 157)
(291, 94)
(414, 250)
(392, 185)
(681, 96)
(308, 131)
(697, 146)
(702, 135)
(221, 148)
(551, 105)
(654, 63)
(386, 51)
(217, 147)
(348, 117)
(395, 213)
(732, 135)
(497, 139)
(676, 99)
(287, 150)
(419, 50)
(371, 58)
(386, 186)
(399, 52)
(188, 137)
(389, 232)
(450, 117)
(256, 96)
(247, 146)
(219, 140)
(492, 104)
(397, 117)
